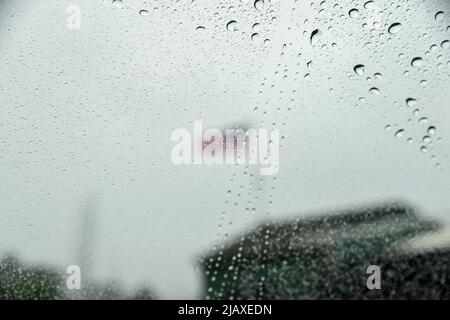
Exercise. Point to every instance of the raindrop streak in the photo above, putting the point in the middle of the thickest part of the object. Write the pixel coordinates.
(394, 28)
(417, 62)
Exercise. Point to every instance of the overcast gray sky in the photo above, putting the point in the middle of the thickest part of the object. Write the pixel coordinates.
(89, 113)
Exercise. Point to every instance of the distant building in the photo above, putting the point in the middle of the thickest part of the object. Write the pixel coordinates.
(326, 257)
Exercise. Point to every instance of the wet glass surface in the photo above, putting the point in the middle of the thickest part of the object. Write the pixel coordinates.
(93, 92)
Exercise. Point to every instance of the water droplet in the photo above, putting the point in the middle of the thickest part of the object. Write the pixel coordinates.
(410, 102)
(258, 4)
(232, 25)
(399, 133)
(353, 13)
(359, 69)
(432, 130)
(424, 149)
(143, 12)
(200, 28)
(395, 27)
(426, 139)
(423, 120)
(417, 62)
(255, 36)
(369, 5)
(445, 44)
(374, 90)
(117, 3)
(439, 15)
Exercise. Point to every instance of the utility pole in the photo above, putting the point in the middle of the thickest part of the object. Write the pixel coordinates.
(88, 219)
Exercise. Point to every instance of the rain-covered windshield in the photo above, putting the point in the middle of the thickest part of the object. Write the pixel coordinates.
(231, 149)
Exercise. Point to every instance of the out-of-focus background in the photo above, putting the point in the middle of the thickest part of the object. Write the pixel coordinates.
(358, 90)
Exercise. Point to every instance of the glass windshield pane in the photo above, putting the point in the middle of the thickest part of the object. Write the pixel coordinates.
(223, 149)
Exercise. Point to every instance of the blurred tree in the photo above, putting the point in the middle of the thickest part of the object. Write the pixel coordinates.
(20, 282)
